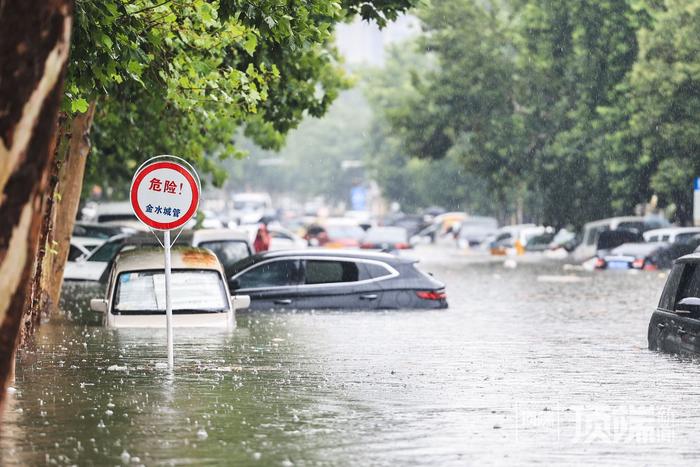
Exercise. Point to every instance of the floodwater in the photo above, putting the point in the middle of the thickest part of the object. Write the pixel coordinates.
(534, 364)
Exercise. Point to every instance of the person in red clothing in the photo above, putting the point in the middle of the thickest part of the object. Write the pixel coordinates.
(262, 239)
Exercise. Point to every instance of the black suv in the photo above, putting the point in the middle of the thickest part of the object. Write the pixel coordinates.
(675, 325)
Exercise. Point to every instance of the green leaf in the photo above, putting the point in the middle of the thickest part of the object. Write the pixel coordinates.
(79, 105)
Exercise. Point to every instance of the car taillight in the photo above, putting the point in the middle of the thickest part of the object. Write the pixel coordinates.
(431, 294)
(402, 246)
(599, 263)
(638, 263)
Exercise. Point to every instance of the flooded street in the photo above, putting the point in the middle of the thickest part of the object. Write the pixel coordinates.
(532, 364)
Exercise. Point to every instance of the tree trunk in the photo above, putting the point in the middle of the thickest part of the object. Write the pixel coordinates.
(70, 185)
(38, 299)
(34, 46)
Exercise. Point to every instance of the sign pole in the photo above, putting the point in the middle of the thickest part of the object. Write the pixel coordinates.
(168, 304)
(164, 195)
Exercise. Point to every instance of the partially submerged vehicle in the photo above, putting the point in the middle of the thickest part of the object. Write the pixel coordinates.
(386, 239)
(674, 326)
(135, 295)
(328, 279)
(228, 245)
(588, 247)
(641, 255)
(513, 239)
(474, 230)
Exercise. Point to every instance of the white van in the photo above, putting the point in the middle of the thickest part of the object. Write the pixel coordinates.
(135, 295)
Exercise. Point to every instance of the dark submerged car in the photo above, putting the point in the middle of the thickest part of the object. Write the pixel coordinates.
(323, 279)
(646, 256)
(675, 325)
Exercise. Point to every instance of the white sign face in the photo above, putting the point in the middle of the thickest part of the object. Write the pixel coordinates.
(164, 195)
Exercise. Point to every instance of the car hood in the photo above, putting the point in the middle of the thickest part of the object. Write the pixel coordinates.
(84, 270)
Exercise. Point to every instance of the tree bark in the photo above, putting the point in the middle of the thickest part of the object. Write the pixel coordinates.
(34, 47)
(70, 185)
(38, 298)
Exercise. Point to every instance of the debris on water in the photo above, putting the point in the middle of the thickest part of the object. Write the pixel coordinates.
(202, 434)
(125, 457)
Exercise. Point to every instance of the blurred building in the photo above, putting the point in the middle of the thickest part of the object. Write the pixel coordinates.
(363, 43)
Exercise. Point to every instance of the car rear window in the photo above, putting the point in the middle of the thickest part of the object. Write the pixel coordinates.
(192, 290)
(228, 251)
(328, 272)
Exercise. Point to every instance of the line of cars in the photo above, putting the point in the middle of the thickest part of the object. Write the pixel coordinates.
(129, 265)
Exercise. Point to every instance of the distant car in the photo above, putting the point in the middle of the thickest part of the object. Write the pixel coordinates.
(611, 239)
(475, 230)
(325, 279)
(386, 239)
(646, 256)
(674, 326)
(513, 239)
(136, 290)
(228, 245)
(671, 234)
(413, 223)
(250, 208)
(587, 248)
(92, 235)
(283, 239)
(116, 213)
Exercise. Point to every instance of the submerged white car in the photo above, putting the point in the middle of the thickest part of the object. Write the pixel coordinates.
(135, 296)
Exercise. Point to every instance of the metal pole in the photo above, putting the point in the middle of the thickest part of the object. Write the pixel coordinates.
(168, 304)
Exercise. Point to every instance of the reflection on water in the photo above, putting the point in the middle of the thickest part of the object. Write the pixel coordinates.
(523, 367)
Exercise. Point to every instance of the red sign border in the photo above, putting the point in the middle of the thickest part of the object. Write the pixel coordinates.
(164, 225)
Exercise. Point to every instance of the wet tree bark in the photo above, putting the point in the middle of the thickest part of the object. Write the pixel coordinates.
(34, 46)
(70, 185)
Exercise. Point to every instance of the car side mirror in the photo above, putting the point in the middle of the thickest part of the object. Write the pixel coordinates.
(98, 305)
(689, 305)
(240, 301)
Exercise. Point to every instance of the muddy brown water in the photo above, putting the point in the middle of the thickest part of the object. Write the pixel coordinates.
(534, 364)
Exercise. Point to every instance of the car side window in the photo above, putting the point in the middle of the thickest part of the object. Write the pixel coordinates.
(668, 296)
(373, 271)
(329, 272)
(272, 274)
(689, 283)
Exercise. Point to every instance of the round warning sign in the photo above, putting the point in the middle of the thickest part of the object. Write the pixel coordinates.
(164, 194)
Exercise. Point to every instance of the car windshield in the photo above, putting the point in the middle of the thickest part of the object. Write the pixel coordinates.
(393, 235)
(192, 290)
(106, 252)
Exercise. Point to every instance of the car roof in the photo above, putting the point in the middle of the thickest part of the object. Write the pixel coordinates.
(332, 253)
(147, 258)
